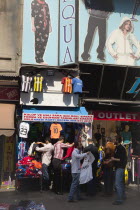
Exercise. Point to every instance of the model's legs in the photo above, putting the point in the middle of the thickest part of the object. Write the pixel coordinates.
(44, 40)
(92, 24)
(102, 39)
(41, 39)
(38, 45)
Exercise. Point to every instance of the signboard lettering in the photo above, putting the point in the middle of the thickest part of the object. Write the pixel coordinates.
(58, 118)
(121, 116)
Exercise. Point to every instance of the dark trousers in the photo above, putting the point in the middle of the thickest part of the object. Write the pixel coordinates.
(93, 24)
(45, 176)
(57, 179)
(41, 39)
(120, 184)
(91, 185)
(75, 187)
(108, 180)
(136, 5)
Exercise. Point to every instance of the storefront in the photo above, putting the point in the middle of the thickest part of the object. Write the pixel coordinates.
(36, 124)
(110, 123)
(49, 107)
(9, 96)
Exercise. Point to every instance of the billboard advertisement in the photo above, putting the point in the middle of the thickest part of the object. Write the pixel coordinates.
(40, 32)
(109, 31)
(67, 32)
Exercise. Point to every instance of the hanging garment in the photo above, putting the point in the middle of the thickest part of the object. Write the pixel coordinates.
(55, 128)
(38, 83)
(26, 83)
(23, 130)
(69, 152)
(77, 85)
(21, 149)
(31, 149)
(67, 85)
(86, 170)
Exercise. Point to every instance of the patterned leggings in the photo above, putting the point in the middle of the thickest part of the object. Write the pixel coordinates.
(41, 39)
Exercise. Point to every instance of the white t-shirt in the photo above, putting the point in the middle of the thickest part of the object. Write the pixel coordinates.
(86, 169)
(23, 130)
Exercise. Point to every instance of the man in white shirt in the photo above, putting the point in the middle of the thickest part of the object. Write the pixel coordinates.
(47, 152)
(75, 170)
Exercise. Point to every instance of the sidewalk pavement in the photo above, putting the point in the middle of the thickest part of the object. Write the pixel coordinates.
(59, 202)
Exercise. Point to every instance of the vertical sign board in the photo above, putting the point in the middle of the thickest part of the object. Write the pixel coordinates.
(9, 154)
(67, 32)
(109, 31)
(40, 32)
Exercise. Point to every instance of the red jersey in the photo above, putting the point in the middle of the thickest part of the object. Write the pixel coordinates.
(67, 85)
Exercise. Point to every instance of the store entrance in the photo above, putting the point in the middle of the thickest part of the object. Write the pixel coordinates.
(107, 130)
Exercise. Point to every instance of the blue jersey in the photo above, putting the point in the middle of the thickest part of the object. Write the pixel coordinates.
(77, 85)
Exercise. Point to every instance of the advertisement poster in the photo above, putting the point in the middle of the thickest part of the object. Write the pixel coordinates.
(109, 31)
(86, 133)
(40, 32)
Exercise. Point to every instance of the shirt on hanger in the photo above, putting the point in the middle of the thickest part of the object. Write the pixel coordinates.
(23, 130)
(55, 130)
(77, 85)
(67, 85)
(38, 83)
(26, 83)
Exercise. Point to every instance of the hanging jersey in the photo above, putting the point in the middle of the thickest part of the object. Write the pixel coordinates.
(21, 149)
(26, 83)
(23, 130)
(55, 130)
(77, 85)
(38, 83)
(67, 85)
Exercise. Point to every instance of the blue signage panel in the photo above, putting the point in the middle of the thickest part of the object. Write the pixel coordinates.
(67, 32)
(40, 32)
(109, 31)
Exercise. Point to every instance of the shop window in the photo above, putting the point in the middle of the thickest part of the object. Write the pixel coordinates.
(112, 82)
(132, 74)
(91, 75)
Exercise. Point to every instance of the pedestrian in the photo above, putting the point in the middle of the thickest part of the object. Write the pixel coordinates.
(108, 174)
(75, 170)
(120, 161)
(56, 162)
(41, 26)
(47, 152)
(91, 185)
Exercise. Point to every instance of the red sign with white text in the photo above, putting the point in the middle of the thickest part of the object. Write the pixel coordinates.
(9, 93)
(57, 117)
(119, 116)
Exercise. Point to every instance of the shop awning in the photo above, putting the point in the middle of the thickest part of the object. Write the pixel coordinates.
(7, 112)
(75, 115)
